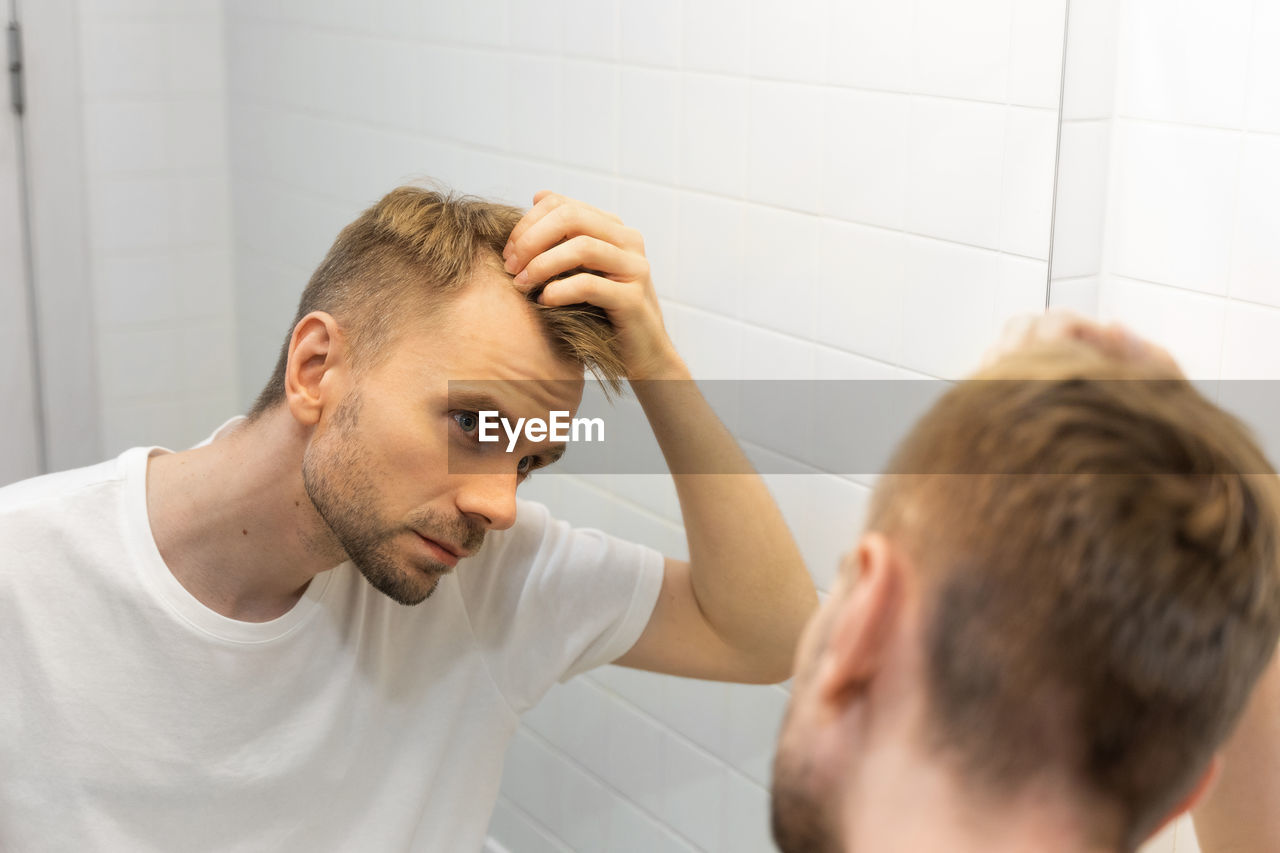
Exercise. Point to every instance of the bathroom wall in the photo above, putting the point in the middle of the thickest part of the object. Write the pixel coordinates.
(153, 84)
(1186, 139)
(841, 190)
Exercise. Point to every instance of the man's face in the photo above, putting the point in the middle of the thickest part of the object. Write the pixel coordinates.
(378, 466)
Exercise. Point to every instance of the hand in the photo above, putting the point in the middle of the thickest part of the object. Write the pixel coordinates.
(561, 234)
(1113, 340)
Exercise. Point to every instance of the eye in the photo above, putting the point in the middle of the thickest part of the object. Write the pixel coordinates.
(526, 465)
(467, 421)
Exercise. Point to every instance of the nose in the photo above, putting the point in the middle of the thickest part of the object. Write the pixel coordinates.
(489, 499)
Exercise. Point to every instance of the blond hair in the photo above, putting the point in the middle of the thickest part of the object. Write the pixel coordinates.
(404, 258)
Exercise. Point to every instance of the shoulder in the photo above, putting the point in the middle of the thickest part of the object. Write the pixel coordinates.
(52, 488)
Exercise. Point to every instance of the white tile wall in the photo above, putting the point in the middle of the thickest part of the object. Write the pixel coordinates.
(155, 143)
(838, 189)
(1187, 163)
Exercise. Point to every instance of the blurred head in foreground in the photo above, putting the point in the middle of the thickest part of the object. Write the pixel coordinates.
(1066, 588)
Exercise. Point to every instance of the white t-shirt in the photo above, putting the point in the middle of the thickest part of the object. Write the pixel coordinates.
(134, 718)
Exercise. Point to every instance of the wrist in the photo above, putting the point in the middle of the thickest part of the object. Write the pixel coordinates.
(666, 364)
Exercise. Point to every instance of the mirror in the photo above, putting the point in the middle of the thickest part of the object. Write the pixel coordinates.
(856, 190)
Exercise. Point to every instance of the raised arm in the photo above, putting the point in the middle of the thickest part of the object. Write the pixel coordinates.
(735, 610)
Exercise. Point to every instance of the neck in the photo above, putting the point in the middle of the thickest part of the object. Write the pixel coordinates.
(233, 521)
(902, 802)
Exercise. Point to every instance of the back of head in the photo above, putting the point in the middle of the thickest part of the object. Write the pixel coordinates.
(404, 258)
(1099, 550)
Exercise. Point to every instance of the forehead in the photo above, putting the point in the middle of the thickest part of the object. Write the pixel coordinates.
(488, 337)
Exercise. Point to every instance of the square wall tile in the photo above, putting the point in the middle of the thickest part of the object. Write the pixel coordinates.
(649, 131)
(1090, 69)
(1184, 61)
(1189, 325)
(1249, 348)
(784, 160)
(1026, 213)
(652, 211)
(709, 253)
(710, 344)
(716, 36)
(127, 57)
(789, 40)
(961, 50)
(537, 106)
(950, 290)
(514, 830)
(1075, 294)
(781, 273)
(1020, 290)
(586, 806)
(864, 156)
(651, 33)
(1035, 64)
(713, 149)
(862, 273)
(635, 756)
(869, 44)
(754, 720)
(633, 831)
(591, 28)
(1173, 196)
(140, 362)
(590, 115)
(745, 821)
(769, 355)
(694, 783)
(530, 780)
(1083, 170)
(1255, 250)
(1262, 97)
(536, 25)
(955, 165)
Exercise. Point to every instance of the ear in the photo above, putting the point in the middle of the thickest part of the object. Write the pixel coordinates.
(317, 356)
(865, 620)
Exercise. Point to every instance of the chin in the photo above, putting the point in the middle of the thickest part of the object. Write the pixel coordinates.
(407, 585)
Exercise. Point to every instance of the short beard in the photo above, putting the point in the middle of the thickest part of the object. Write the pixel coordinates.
(335, 474)
(796, 817)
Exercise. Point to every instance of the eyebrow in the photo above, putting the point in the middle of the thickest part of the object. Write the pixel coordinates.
(478, 400)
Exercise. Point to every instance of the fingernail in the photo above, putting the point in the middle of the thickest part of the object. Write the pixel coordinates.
(509, 265)
(506, 250)
(523, 278)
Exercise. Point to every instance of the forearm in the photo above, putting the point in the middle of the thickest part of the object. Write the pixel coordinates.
(1242, 813)
(747, 573)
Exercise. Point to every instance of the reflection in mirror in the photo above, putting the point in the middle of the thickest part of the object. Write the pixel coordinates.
(1167, 212)
(827, 190)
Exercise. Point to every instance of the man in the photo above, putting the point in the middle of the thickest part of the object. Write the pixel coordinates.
(1066, 590)
(210, 649)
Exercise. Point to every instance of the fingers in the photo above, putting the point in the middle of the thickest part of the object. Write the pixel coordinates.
(585, 287)
(583, 251)
(1113, 340)
(553, 219)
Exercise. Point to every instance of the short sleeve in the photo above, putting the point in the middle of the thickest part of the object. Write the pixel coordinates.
(548, 601)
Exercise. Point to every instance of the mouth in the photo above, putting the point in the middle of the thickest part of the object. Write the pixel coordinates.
(443, 552)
